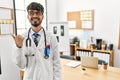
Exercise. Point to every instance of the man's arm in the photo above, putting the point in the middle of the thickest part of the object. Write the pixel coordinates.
(19, 57)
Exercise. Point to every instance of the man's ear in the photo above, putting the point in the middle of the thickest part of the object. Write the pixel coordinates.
(27, 16)
(42, 17)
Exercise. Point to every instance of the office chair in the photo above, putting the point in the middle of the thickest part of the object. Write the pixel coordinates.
(67, 57)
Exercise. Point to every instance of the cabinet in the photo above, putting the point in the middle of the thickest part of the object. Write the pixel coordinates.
(61, 31)
(92, 51)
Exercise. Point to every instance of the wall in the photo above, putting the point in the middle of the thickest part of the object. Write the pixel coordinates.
(52, 10)
(10, 71)
(106, 24)
(6, 3)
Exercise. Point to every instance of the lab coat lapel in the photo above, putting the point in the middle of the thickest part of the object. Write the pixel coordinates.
(32, 42)
(41, 43)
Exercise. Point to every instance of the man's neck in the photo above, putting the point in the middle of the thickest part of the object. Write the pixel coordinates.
(36, 29)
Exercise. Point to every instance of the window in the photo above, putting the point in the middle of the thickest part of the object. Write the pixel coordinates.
(22, 23)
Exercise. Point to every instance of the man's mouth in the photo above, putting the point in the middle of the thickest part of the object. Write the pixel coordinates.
(35, 19)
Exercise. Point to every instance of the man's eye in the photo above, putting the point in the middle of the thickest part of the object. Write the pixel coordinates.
(38, 13)
(32, 13)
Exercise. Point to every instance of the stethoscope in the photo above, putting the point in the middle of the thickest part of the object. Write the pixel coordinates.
(28, 44)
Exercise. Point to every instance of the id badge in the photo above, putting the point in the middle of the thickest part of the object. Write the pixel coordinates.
(48, 51)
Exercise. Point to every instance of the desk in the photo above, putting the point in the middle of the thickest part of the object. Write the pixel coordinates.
(69, 73)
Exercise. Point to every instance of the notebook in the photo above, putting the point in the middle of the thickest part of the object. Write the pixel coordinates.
(88, 61)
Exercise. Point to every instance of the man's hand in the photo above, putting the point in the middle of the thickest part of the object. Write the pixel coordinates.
(18, 40)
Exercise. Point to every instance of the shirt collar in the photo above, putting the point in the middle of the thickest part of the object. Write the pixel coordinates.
(32, 32)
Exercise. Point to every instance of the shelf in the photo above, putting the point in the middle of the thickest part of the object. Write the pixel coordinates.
(110, 52)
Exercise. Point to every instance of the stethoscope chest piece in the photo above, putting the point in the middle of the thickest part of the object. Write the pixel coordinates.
(46, 56)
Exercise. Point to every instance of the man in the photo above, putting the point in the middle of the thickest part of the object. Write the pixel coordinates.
(31, 49)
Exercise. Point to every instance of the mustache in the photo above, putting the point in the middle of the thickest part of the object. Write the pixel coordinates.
(35, 18)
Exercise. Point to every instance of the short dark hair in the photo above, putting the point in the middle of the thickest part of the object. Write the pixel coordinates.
(35, 6)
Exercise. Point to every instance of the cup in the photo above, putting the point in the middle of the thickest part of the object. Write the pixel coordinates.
(78, 58)
(105, 65)
(92, 46)
(84, 70)
(103, 46)
(61, 53)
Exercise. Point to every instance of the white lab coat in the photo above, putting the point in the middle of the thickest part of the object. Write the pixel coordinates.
(38, 67)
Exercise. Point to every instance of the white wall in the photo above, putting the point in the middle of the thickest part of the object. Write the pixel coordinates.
(106, 20)
(52, 10)
(10, 70)
(6, 3)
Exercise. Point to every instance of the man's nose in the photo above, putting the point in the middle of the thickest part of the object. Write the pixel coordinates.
(35, 14)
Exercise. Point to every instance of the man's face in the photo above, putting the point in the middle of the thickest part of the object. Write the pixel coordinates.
(35, 17)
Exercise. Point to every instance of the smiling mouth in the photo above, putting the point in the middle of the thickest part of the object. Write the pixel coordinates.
(35, 19)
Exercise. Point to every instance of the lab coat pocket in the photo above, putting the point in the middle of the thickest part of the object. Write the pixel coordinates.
(31, 60)
(49, 66)
(30, 57)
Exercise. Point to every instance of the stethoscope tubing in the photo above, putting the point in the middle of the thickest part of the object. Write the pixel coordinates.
(28, 43)
(46, 55)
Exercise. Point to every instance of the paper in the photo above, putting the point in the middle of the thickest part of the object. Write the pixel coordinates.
(72, 24)
(86, 24)
(73, 64)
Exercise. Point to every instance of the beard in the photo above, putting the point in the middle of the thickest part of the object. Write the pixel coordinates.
(35, 23)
